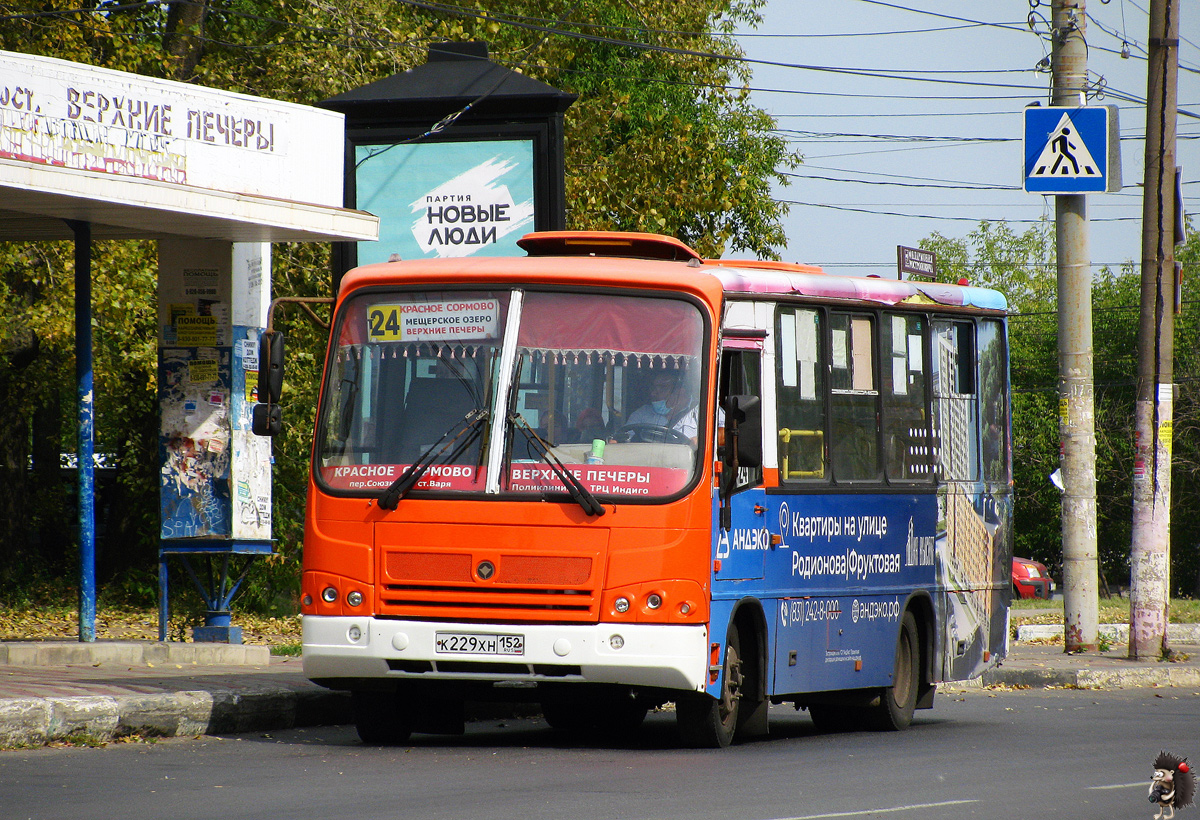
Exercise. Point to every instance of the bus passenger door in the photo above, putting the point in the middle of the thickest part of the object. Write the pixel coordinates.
(741, 550)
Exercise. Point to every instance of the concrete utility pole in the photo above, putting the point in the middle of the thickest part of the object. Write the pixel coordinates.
(1076, 398)
(1150, 563)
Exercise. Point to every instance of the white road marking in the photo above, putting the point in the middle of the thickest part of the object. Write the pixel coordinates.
(1142, 783)
(880, 811)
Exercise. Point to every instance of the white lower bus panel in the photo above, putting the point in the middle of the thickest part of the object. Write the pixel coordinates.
(670, 657)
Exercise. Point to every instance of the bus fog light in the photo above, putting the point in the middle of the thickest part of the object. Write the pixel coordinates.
(654, 600)
(329, 595)
(621, 604)
(616, 641)
(355, 598)
(354, 633)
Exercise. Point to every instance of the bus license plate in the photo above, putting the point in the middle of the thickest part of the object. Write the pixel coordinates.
(474, 643)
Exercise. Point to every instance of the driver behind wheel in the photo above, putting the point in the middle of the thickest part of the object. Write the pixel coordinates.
(671, 405)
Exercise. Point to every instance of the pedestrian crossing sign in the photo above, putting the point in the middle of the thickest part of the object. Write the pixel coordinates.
(1072, 150)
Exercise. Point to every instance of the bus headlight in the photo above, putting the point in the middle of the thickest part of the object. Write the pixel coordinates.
(355, 598)
(329, 595)
(654, 600)
(621, 604)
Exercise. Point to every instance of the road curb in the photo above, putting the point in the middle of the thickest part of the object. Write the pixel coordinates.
(38, 721)
(1164, 674)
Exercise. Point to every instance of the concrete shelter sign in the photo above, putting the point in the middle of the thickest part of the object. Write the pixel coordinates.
(58, 113)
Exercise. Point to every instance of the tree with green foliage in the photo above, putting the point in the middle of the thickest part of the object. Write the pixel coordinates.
(663, 138)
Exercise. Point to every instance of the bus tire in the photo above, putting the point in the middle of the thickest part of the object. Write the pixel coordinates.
(897, 702)
(380, 717)
(710, 723)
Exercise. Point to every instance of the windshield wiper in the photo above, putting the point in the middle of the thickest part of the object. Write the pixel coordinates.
(581, 494)
(471, 426)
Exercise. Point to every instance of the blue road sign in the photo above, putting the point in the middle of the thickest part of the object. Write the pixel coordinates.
(1071, 150)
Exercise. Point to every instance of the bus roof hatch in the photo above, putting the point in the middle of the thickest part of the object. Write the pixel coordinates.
(606, 243)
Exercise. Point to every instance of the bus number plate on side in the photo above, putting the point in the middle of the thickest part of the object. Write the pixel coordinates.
(474, 643)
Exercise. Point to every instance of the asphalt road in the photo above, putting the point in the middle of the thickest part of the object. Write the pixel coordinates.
(977, 754)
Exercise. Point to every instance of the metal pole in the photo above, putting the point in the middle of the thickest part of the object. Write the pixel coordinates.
(1153, 417)
(1076, 400)
(85, 466)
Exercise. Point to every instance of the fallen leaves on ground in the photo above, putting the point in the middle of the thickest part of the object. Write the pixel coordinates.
(136, 625)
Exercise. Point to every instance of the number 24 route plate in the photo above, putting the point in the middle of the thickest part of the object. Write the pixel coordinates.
(474, 643)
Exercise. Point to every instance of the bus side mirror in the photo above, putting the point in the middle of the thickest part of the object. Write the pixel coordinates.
(266, 420)
(270, 367)
(743, 430)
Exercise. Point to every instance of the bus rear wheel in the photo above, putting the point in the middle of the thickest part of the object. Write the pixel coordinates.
(708, 722)
(380, 717)
(898, 701)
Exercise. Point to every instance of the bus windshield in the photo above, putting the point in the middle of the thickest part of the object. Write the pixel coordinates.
(490, 391)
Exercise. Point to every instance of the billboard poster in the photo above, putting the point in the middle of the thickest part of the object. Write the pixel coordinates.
(446, 199)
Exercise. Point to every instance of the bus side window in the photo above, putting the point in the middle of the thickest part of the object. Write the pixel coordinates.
(954, 406)
(907, 453)
(993, 384)
(800, 395)
(855, 398)
(741, 374)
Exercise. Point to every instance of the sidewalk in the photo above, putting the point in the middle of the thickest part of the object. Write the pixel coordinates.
(55, 690)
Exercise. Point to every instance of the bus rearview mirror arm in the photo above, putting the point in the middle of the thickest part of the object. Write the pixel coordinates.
(267, 416)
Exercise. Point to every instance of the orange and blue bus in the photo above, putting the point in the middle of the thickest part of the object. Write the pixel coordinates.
(612, 475)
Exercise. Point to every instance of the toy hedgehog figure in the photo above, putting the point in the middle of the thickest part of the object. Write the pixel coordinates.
(1172, 786)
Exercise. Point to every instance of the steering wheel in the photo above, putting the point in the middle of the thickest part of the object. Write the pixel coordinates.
(650, 433)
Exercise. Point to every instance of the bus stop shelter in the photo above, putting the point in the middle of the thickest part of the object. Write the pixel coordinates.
(89, 153)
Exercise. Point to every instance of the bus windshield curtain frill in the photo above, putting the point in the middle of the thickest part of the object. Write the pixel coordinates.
(634, 328)
(404, 350)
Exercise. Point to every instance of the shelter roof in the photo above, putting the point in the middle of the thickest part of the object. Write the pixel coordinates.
(37, 198)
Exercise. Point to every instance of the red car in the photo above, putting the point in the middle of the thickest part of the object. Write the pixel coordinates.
(1031, 579)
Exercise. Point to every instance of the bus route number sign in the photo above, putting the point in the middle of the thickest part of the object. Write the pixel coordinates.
(474, 643)
(448, 321)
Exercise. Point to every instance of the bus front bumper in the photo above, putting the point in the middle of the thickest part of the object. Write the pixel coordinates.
(670, 657)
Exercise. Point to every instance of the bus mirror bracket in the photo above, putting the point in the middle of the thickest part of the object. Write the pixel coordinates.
(267, 416)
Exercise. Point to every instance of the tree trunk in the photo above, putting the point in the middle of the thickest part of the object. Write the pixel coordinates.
(184, 41)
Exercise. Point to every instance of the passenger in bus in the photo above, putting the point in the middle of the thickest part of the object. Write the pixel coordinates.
(671, 406)
(590, 425)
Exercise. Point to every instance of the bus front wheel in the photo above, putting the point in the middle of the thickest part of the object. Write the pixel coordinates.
(380, 717)
(897, 702)
(708, 722)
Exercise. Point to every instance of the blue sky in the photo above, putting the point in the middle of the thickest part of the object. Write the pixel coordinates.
(888, 161)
